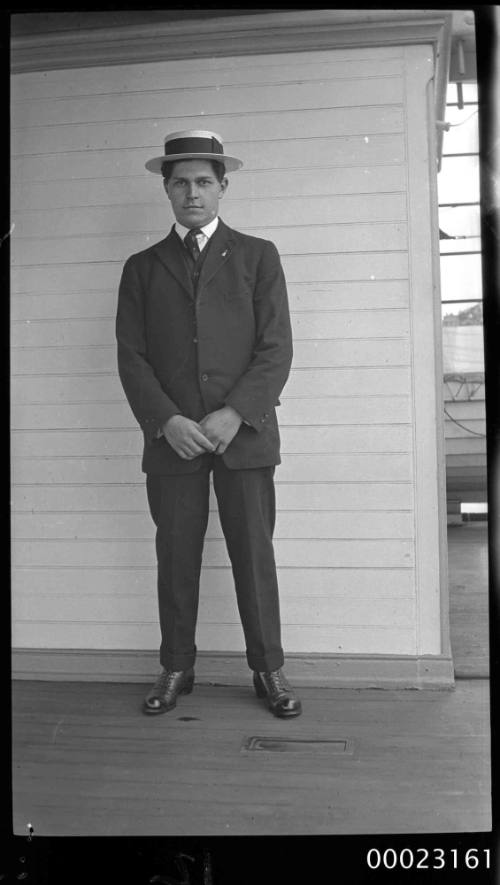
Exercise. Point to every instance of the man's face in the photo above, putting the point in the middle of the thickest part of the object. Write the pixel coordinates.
(194, 192)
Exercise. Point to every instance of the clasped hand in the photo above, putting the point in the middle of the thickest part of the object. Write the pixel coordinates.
(212, 434)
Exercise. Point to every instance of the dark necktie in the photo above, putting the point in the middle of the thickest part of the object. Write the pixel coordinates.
(192, 243)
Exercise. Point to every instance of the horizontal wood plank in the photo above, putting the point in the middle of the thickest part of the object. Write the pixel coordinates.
(353, 150)
(240, 128)
(310, 410)
(359, 295)
(245, 213)
(222, 98)
(466, 445)
(248, 185)
(374, 467)
(351, 324)
(467, 478)
(72, 277)
(122, 79)
(320, 239)
(292, 553)
(383, 381)
(61, 359)
(343, 322)
(466, 430)
(131, 496)
(315, 640)
(466, 460)
(311, 325)
(120, 526)
(466, 410)
(303, 583)
(294, 440)
(221, 609)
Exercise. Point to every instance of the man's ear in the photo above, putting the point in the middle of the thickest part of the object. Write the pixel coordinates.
(223, 187)
(165, 185)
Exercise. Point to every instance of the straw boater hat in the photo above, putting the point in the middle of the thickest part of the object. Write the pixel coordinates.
(194, 144)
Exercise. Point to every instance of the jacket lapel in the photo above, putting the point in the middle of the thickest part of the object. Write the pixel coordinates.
(221, 245)
(169, 251)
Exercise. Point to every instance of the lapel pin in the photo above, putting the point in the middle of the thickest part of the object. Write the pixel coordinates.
(224, 253)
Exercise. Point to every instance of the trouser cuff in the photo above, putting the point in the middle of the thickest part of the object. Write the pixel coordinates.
(266, 664)
(178, 661)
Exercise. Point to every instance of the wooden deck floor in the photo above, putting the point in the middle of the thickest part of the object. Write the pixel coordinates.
(86, 762)
(468, 587)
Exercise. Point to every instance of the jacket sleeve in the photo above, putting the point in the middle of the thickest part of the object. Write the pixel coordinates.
(147, 399)
(257, 391)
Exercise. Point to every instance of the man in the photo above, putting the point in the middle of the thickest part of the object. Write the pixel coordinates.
(204, 350)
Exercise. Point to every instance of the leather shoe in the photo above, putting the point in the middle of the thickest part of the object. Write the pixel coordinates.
(163, 695)
(282, 700)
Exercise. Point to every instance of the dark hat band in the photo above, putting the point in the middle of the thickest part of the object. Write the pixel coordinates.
(194, 145)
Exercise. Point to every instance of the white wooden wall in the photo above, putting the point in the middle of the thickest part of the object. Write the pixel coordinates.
(336, 174)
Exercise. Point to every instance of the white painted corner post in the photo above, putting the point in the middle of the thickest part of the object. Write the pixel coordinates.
(431, 582)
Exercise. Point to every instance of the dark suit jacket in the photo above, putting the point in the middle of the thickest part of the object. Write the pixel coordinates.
(232, 345)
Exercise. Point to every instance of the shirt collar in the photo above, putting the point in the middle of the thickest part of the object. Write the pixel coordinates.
(208, 229)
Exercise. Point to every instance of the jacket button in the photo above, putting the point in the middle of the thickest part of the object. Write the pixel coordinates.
(204, 377)
(195, 340)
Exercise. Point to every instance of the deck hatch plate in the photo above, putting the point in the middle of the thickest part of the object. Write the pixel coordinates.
(335, 746)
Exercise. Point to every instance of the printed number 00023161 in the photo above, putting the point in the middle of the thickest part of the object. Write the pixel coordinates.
(423, 859)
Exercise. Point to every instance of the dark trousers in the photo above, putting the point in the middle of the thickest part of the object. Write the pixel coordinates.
(179, 507)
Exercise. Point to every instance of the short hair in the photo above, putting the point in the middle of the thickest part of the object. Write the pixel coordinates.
(168, 166)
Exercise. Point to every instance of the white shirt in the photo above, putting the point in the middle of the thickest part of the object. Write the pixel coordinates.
(206, 232)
